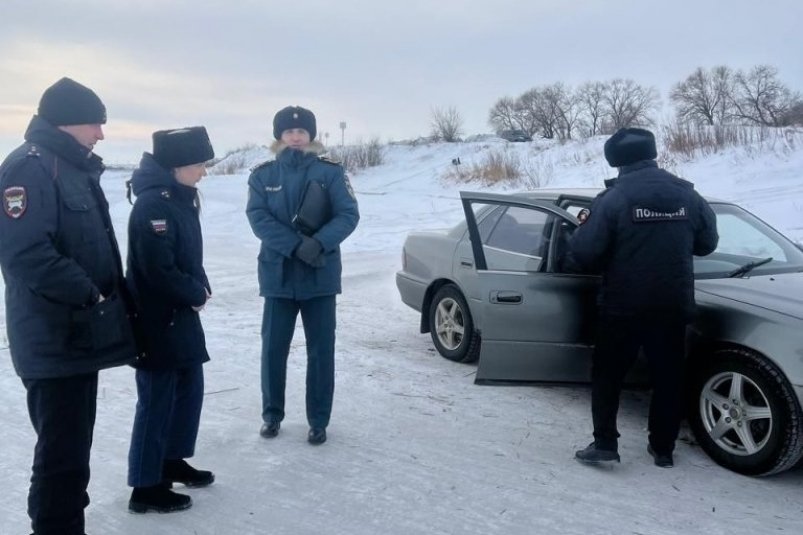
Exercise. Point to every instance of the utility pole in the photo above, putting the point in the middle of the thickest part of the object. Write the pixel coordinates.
(342, 135)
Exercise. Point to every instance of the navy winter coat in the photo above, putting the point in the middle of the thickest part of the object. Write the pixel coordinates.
(642, 233)
(274, 193)
(58, 255)
(165, 272)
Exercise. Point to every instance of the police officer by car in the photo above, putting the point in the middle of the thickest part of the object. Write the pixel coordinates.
(299, 264)
(641, 233)
(67, 311)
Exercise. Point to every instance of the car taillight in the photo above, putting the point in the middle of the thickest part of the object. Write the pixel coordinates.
(404, 259)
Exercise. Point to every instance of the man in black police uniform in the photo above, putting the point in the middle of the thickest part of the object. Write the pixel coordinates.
(65, 308)
(641, 233)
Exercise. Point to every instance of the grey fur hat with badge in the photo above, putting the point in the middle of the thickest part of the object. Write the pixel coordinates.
(68, 103)
(630, 145)
(182, 146)
(294, 117)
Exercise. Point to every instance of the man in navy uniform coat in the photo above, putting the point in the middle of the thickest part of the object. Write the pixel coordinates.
(66, 306)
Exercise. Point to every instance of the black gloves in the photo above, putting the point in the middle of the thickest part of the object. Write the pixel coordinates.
(309, 251)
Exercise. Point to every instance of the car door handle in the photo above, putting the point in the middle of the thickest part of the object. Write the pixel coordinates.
(466, 263)
(506, 297)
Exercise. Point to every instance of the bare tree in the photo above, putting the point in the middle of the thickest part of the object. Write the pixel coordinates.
(627, 103)
(761, 98)
(527, 107)
(567, 108)
(590, 106)
(540, 109)
(705, 96)
(503, 115)
(447, 124)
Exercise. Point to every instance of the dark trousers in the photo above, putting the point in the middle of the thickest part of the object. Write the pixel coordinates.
(62, 412)
(278, 324)
(619, 339)
(166, 421)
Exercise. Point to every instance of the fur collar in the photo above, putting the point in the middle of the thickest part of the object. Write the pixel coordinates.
(316, 147)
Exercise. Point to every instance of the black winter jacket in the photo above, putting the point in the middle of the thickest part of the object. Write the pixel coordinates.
(641, 234)
(58, 254)
(165, 272)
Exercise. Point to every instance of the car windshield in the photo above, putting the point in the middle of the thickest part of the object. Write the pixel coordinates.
(745, 245)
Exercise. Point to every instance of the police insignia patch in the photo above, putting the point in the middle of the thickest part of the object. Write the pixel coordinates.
(582, 215)
(15, 201)
(159, 225)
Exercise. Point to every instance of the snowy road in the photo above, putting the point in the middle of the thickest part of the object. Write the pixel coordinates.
(414, 446)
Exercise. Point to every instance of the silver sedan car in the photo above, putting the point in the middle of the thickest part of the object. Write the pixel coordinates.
(496, 289)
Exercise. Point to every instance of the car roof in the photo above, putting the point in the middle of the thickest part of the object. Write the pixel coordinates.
(552, 194)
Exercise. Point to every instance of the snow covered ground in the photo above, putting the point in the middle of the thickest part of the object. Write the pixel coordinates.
(414, 446)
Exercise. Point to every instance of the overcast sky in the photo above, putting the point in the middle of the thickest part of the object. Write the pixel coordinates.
(378, 65)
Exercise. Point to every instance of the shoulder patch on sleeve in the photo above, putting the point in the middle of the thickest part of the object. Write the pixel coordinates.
(159, 226)
(15, 201)
(583, 215)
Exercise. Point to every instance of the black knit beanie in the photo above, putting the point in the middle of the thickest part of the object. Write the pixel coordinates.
(294, 117)
(182, 146)
(630, 145)
(67, 103)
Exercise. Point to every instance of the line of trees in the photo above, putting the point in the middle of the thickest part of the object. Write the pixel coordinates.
(557, 111)
(719, 95)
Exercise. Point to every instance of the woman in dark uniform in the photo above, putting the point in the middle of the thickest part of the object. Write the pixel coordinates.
(169, 285)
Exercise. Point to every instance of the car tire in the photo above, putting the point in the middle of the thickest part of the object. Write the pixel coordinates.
(759, 434)
(452, 327)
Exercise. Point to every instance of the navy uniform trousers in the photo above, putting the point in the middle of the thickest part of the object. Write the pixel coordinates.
(619, 339)
(166, 421)
(62, 411)
(278, 324)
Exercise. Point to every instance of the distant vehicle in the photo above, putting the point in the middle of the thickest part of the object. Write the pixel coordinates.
(515, 135)
(494, 289)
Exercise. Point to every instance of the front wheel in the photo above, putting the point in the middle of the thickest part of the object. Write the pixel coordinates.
(451, 326)
(745, 415)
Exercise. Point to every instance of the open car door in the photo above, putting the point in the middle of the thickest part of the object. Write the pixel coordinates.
(536, 316)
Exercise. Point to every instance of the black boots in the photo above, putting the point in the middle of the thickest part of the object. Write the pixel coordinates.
(663, 460)
(160, 498)
(179, 471)
(270, 429)
(316, 436)
(157, 498)
(594, 455)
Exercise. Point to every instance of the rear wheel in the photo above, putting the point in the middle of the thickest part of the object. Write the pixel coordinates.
(745, 414)
(451, 326)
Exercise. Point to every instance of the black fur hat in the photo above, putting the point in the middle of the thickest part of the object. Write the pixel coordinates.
(630, 145)
(182, 146)
(67, 103)
(294, 117)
